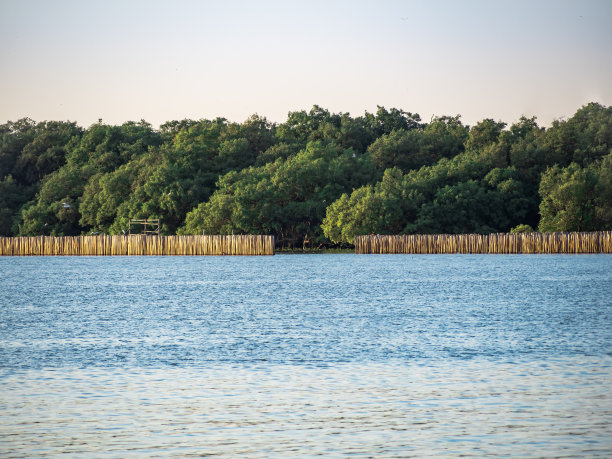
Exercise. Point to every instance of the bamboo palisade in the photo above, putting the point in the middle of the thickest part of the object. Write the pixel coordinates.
(500, 243)
(138, 245)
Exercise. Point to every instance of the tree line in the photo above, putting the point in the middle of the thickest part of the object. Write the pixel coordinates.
(319, 178)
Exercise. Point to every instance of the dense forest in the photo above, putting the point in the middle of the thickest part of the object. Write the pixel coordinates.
(319, 178)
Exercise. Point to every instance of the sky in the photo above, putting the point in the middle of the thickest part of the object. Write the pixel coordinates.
(84, 60)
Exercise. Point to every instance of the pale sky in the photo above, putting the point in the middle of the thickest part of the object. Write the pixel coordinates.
(82, 60)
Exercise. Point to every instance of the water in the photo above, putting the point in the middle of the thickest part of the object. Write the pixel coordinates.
(333, 355)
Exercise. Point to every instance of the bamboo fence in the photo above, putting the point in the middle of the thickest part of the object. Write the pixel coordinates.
(500, 243)
(138, 245)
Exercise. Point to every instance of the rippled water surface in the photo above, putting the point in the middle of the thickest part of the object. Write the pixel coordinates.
(303, 355)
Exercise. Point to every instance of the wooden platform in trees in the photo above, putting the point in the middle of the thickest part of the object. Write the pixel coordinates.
(500, 243)
(138, 245)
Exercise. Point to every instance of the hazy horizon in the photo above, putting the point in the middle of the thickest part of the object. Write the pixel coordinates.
(159, 61)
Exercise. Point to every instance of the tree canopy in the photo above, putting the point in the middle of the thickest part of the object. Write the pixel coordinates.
(318, 178)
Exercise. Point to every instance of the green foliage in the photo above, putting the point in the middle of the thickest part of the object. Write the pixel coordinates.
(356, 133)
(104, 194)
(379, 209)
(287, 198)
(28, 153)
(12, 197)
(485, 133)
(459, 208)
(522, 228)
(320, 176)
(100, 150)
(494, 186)
(576, 198)
(278, 151)
(460, 195)
(386, 121)
(400, 149)
(55, 211)
(410, 149)
(583, 139)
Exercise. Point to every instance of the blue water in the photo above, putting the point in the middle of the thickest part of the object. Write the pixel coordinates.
(302, 355)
